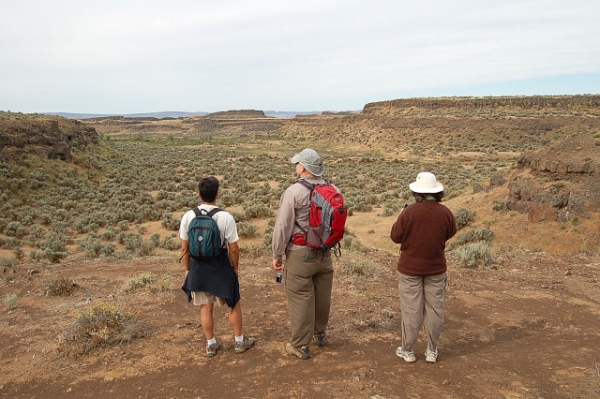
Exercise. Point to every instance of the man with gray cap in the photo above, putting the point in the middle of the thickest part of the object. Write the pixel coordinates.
(422, 229)
(308, 272)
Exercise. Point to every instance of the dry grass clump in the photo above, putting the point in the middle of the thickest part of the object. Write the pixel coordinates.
(144, 280)
(99, 325)
(11, 300)
(58, 286)
(149, 282)
(358, 267)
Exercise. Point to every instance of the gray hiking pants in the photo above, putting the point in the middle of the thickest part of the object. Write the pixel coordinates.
(308, 284)
(421, 302)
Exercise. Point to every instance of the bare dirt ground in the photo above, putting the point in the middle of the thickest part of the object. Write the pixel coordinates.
(525, 327)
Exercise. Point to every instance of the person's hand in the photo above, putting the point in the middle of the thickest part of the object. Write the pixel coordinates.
(278, 264)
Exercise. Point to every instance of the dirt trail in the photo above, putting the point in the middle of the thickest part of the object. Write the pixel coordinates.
(527, 327)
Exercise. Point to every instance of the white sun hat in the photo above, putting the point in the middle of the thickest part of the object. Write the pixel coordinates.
(426, 183)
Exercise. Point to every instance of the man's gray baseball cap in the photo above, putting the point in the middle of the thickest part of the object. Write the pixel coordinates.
(310, 160)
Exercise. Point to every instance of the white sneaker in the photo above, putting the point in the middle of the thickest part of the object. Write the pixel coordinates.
(408, 356)
(431, 356)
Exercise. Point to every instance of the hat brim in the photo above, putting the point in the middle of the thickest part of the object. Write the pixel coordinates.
(296, 159)
(426, 190)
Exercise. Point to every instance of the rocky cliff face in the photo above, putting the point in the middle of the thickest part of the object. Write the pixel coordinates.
(46, 136)
(564, 181)
(559, 103)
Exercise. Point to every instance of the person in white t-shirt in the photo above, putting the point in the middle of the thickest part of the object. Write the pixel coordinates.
(213, 281)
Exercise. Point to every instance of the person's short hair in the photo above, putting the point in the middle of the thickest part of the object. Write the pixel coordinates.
(419, 197)
(208, 188)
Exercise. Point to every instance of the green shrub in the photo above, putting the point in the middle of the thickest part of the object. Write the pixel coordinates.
(258, 212)
(123, 225)
(388, 212)
(358, 268)
(94, 248)
(142, 281)
(9, 243)
(475, 255)
(145, 248)
(239, 217)
(362, 207)
(246, 230)
(15, 229)
(99, 325)
(155, 240)
(169, 222)
(268, 240)
(131, 241)
(54, 256)
(500, 205)
(58, 286)
(464, 217)
(485, 235)
(171, 244)
(109, 234)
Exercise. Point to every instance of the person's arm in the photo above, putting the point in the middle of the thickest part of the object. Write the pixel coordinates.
(397, 231)
(284, 225)
(185, 255)
(234, 255)
(452, 230)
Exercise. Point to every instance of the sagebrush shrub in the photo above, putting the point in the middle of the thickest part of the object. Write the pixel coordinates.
(99, 325)
(9, 243)
(464, 217)
(475, 254)
(388, 212)
(169, 243)
(246, 230)
(16, 229)
(472, 236)
(257, 212)
(58, 286)
(169, 222)
(144, 280)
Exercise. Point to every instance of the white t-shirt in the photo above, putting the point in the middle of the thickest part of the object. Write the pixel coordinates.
(225, 221)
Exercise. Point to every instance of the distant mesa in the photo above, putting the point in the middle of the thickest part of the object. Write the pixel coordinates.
(565, 103)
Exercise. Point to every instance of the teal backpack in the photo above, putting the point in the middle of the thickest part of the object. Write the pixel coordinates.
(204, 236)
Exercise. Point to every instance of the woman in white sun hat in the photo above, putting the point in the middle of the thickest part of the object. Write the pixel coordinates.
(422, 229)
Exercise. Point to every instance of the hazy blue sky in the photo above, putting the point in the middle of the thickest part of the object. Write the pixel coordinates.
(164, 55)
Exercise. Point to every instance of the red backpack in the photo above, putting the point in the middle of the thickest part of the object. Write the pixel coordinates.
(327, 218)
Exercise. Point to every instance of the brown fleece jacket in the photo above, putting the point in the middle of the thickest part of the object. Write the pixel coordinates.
(422, 229)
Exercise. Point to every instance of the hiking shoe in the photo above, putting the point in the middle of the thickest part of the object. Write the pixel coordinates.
(303, 352)
(408, 356)
(247, 343)
(211, 350)
(431, 356)
(320, 339)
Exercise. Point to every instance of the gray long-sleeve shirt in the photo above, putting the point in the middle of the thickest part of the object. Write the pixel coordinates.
(294, 207)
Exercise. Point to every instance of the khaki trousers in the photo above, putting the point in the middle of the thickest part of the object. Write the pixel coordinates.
(308, 283)
(421, 302)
